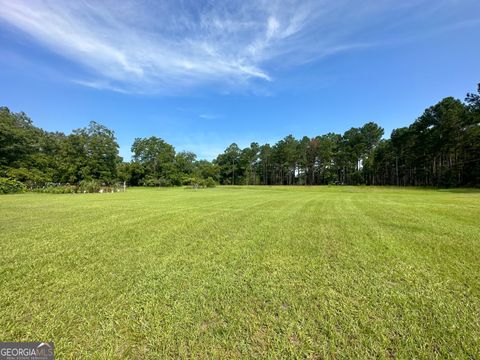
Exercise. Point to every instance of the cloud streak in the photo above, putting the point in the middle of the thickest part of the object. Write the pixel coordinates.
(170, 46)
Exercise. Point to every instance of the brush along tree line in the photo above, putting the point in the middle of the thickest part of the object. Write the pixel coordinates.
(440, 148)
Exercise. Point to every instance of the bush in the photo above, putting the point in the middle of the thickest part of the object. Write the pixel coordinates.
(57, 189)
(9, 186)
(162, 182)
(89, 186)
(86, 186)
(150, 182)
(210, 183)
(111, 188)
(197, 183)
(186, 180)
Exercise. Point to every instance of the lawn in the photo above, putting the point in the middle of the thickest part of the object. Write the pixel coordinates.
(247, 272)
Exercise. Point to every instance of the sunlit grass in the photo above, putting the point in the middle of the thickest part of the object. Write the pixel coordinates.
(328, 272)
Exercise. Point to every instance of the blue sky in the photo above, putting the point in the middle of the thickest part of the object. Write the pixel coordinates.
(204, 74)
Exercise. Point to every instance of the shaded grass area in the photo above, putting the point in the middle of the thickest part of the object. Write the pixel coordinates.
(322, 272)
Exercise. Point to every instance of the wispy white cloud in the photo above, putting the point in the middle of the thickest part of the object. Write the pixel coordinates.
(169, 46)
(101, 85)
(208, 116)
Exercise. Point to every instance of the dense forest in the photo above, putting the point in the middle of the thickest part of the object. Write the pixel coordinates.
(441, 148)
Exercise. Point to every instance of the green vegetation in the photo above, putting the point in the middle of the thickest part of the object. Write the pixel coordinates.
(259, 272)
(88, 159)
(441, 148)
(8, 186)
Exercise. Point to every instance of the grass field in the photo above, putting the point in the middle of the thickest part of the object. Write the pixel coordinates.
(327, 272)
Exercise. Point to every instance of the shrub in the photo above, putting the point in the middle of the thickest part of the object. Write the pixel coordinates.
(112, 188)
(57, 189)
(210, 183)
(86, 186)
(9, 186)
(197, 183)
(149, 182)
(162, 182)
(186, 180)
(89, 186)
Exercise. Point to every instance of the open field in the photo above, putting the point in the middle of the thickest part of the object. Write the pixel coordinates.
(243, 272)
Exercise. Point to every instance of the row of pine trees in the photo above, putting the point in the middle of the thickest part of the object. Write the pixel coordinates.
(441, 148)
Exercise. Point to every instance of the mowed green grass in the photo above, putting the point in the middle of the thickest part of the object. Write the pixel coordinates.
(252, 272)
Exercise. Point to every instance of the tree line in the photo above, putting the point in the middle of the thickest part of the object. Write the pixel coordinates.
(37, 157)
(440, 148)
